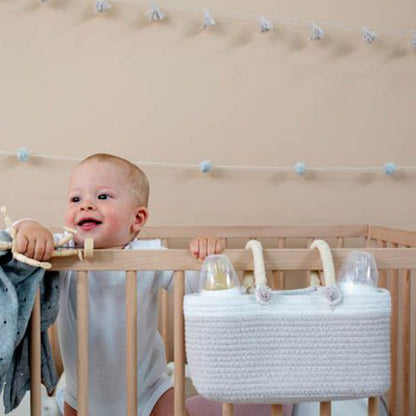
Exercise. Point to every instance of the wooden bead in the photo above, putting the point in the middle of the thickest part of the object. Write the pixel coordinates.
(88, 248)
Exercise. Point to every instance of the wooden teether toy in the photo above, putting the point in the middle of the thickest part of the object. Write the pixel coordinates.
(87, 252)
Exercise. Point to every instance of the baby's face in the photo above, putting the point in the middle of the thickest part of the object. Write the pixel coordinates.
(101, 205)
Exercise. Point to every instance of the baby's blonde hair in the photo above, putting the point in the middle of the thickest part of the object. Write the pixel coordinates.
(139, 181)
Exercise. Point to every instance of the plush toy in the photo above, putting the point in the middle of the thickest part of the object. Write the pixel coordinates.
(85, 253)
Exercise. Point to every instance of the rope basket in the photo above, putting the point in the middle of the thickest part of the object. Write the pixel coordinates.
(312, 344)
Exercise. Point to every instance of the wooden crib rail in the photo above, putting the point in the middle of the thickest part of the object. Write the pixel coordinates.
(392, 235)
(276, 260)
(247, 232)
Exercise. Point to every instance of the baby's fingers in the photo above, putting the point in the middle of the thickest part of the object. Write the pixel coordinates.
(48, 250)
(40, 248)
(219, 245)
(194, 247)
(202, 248)
(21, 244)
(212, 243)
(30, 249)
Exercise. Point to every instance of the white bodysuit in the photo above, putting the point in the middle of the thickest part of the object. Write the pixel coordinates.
(107, 338)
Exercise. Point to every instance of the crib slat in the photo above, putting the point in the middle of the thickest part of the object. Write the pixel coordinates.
(164, 312)
(394, 286)
(308, 273)
(131, 342)
(281, 274)
(227, 409)
(35, 371)
(179, 343)
(82, 334)
(325, 409)
(277, 410)
(405, 319)
(340, 242)
(383, 273)
(373, 403)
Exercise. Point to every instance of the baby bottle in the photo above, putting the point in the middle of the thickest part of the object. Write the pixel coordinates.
(217, 273)
(358, 273)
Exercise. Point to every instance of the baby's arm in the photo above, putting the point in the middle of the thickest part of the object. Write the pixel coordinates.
(201, 247)
(33, 240)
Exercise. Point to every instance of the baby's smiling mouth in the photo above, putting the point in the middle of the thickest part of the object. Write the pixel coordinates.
(88, 223)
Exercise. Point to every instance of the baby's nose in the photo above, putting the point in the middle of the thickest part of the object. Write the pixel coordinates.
(87, 206)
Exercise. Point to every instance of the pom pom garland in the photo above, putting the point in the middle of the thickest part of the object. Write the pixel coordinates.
(390, 168)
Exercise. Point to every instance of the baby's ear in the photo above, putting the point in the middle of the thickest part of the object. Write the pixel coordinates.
(142, 214)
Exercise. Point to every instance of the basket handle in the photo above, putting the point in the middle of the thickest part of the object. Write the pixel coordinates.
(327, 264)
(330, 291)
(263, 292)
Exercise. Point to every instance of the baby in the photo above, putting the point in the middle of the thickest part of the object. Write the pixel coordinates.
(108, 198)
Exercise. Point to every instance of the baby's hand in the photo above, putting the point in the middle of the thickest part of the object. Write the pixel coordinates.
(204, 246)
(33, 240)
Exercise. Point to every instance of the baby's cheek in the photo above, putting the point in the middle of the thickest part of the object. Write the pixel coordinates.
(115, 224)
(69, 218)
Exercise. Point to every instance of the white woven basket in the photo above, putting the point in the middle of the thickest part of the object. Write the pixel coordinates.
(313, 344)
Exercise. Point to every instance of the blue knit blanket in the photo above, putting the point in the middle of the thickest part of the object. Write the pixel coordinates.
(19, 283)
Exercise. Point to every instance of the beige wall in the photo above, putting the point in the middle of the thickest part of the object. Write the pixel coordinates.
(73, 83)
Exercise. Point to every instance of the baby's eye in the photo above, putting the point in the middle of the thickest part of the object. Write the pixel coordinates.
(104, 196)
(75, 199)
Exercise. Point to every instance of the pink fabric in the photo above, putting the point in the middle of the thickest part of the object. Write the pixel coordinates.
(200, 406)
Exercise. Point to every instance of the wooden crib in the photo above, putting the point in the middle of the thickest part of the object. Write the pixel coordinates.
(286, 251)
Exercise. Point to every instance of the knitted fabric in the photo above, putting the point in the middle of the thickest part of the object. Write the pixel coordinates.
(18, 287)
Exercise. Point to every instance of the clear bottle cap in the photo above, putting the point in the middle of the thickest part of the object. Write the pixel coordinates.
(217, 273)
(359, 268)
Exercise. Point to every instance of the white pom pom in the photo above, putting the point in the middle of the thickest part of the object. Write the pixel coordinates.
(208, 19)
(23, 154)
(102, 6)
(265, 25)
(368, 35)
(333, 294)
(316, 32)
(263, 294)
(154, 13)
(205, 166)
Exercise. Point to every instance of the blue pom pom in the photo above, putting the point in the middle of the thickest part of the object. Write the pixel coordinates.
(23, 154)
(300, 168)
(205, 166)
(390, 168)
